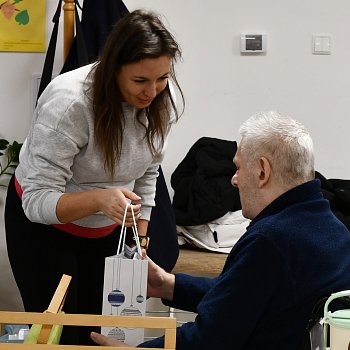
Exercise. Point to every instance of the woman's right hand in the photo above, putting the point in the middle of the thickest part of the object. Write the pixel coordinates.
(112, 202)
(109, 201)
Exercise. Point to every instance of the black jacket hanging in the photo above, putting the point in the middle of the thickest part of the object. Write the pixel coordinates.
(202, 182)
(337, 191)
(97, 20)
(78, 51)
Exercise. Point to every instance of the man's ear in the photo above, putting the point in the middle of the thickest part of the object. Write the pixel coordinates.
(264, 171)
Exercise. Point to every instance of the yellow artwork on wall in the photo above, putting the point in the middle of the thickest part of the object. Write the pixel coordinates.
(22, 25)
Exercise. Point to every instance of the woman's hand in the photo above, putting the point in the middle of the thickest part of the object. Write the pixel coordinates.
(110, 201)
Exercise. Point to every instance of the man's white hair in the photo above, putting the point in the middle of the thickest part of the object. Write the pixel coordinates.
(284, 141)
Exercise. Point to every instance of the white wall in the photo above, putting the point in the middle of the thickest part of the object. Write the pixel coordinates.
(223, 88)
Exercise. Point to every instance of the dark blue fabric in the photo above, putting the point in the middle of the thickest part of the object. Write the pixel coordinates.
(292, 254)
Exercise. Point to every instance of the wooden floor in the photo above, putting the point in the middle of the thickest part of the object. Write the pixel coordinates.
(200, 262)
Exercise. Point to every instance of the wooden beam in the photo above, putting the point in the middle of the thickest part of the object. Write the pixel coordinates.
(166, 323)
(68, 28)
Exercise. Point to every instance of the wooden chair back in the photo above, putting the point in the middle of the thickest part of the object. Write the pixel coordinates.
(166, 323)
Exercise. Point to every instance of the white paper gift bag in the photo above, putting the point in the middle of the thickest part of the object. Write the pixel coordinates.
(125, 287)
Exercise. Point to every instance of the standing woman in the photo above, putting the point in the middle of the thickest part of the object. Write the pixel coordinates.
(96, 142)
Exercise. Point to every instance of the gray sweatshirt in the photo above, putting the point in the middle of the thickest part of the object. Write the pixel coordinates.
(59, 154)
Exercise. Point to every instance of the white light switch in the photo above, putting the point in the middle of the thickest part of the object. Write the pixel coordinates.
(321, 44)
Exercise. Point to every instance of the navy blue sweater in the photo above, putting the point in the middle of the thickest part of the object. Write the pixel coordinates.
(293, 253)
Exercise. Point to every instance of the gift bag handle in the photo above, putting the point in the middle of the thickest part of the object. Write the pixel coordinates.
(134, 230)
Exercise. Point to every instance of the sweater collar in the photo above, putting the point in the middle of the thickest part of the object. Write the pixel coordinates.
(295, 195)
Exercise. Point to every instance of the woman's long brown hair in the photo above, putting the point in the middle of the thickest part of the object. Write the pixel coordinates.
(138, 35)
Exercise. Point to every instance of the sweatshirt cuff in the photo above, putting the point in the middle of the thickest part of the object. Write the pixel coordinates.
(146, 213)
(49, 208)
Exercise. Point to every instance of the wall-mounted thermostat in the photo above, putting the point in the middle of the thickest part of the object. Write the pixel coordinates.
(253, 43)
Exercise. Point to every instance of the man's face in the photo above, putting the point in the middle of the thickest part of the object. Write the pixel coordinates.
(244, 179)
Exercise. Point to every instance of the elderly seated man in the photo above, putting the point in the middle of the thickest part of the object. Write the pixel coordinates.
(294, 251)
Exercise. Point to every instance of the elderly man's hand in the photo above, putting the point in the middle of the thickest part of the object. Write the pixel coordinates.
(160, 284)
(105, 341)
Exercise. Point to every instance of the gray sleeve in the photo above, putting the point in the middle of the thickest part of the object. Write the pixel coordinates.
(48, 157)
(145, 187)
